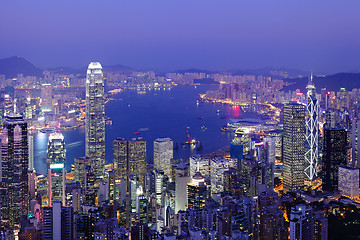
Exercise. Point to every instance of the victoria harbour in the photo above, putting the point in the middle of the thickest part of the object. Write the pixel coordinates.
(158, 113)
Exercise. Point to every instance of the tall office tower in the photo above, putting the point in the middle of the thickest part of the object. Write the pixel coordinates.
(301, 223)
(196, 192)
(159, 185)
(242, 136)
(293, 145)
(311, 132)
(130, 155)
(271, 148)
(46, 97)
(31, 170)
(349, 181)
(182, 178)
(95, 118)
(14, 192)
(79, 170)
(355, 143)
(334, 156)
(278, 135)
(218, 166)
(56, 158)
(163, 153)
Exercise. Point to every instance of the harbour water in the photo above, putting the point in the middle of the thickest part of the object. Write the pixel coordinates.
(158, 113)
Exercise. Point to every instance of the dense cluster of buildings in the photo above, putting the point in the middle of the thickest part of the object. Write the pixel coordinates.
(265, 188)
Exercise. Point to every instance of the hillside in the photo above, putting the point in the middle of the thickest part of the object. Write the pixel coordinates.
(331, 82)
(12, 66)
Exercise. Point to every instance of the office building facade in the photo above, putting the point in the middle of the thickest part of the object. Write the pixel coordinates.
(56, 159)
(129, 157)
(14, 194)
(95, 118)
(293, 145)
(163, 153)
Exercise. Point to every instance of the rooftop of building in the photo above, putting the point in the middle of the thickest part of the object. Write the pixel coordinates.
(94, 65)
(164, 139)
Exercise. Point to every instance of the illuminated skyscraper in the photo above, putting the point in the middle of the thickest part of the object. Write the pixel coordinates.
(46, 97)
(95, 118)
(130, 155)
(80, 169)
(311, 132)
(14, 171)
(163, 153)
(56, 158)
(293, 145)
(196, 192)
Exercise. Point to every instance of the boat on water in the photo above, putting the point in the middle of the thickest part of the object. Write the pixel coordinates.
(47, 130)
(200, 117)
(136, 133)
(203, 128)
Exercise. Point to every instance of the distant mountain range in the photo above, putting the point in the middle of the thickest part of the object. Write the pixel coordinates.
(106, 68)
(331, 82)
(12, 66)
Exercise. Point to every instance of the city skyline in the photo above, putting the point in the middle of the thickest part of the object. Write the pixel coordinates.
(192, 120)
(180, 35)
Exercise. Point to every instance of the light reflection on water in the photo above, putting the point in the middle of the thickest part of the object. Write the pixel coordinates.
(152, 115)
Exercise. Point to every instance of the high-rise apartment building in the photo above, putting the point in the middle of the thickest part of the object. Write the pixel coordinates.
(95, 118)
(311, 132)
(129, 157)
(334, 156)
(14, 194)
(301, 223)
(163, 153)
(58, 222)
(56, 158)
(293, 145)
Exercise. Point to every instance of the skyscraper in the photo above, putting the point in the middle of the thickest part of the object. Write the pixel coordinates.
(293, 145)
(311, 132)
(14, 171)
(130, 155)
(56, 158)
(95, 118)
(355, 143)
(163, 153)
(80, 171)
(46, 97)
(196, 192)
(334, 156)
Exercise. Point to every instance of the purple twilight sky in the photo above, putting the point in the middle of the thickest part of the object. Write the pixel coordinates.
(165, 35)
